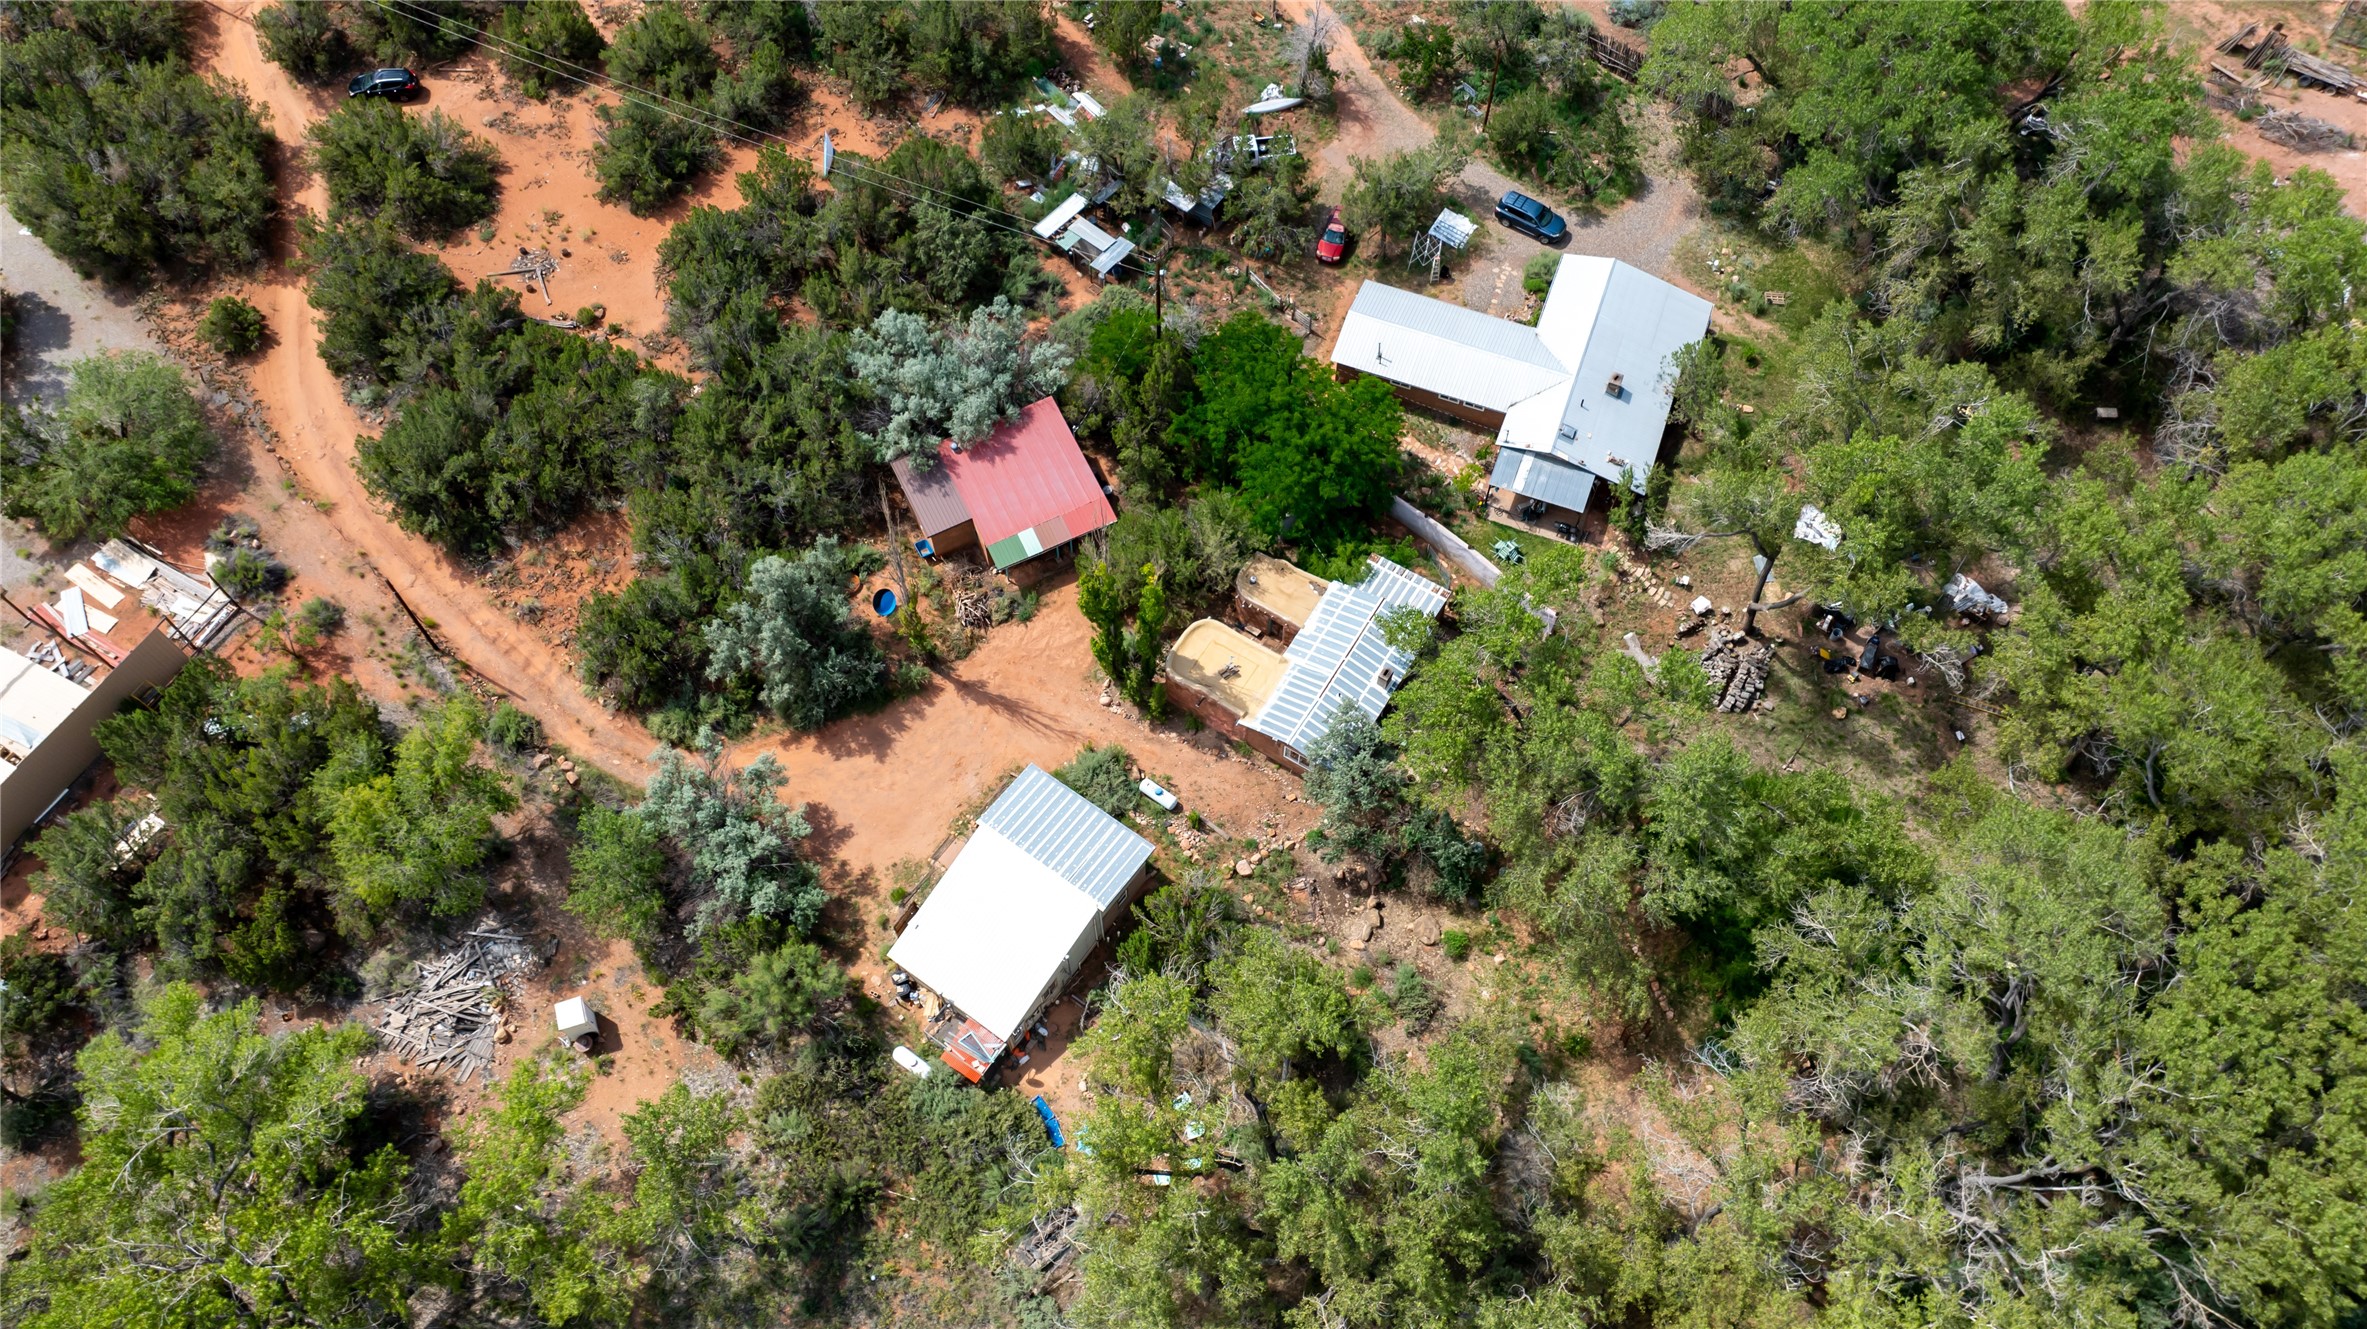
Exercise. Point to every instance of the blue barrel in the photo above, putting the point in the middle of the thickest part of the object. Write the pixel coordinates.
(926, 547)
(883, 602)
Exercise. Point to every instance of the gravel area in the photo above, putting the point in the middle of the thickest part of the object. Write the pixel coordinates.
(61, 318)
(1374, 121)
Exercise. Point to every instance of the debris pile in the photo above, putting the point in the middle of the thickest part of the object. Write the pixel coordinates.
(973, 607)
(2273, 48)
(1049, 1242)
(2304, 133)
(1737, 668)
(452, 1018)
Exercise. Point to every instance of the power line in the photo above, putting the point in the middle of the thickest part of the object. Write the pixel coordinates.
(715, 124)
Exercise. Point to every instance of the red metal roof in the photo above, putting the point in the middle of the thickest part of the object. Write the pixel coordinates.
(1028, 474)
(935, 504)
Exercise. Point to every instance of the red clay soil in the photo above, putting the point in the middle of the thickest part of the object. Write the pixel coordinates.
(302, 399)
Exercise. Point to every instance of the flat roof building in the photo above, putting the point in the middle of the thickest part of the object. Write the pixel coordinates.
(46, 724)
(1026, 900)
(1281, 702)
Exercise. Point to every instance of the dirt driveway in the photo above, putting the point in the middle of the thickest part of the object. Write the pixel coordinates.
(1375, 121)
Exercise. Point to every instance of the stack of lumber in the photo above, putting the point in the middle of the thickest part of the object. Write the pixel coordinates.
(452, 1018)
(1736, 668)
(2271, 47)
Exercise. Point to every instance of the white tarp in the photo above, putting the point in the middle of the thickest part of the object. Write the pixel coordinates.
(1271, 105)
(1816, 528)
(1092, 109)
(1970, 597)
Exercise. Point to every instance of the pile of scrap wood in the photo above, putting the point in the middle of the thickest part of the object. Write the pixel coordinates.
(2263, 49)
(452, 1018)
(1736, 668)
(2303, 132)
(1050, 1240)
(973, 607)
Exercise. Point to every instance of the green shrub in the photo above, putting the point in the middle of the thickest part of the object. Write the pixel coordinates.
(42, 993)
(232, 326)
(424, 173)
(646, 156)
(123, 168)
(367, 283)
(320, 618)
(1456, 943)
(127, 441)
(250, 574)
(1100, 774)
(1410, 997)
(1536, 276)
(302, 37)
(512, 729)
(560, 35)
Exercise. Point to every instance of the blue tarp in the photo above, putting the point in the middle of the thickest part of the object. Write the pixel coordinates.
(1051, 1123)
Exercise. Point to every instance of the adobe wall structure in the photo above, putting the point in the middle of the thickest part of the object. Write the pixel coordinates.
(1430, 401)
(1224, 720)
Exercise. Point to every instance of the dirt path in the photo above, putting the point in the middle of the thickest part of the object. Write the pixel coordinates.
(1373, 120)
(305, 403)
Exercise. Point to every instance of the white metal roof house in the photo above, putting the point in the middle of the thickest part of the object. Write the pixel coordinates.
(1582, 396)
(1025, 902)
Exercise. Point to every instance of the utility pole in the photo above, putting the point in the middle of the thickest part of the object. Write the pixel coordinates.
(1490, 108)
(1159, 305)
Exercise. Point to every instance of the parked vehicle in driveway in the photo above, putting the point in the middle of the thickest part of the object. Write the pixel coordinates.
(1531, 218)
(1333, 246)
(392, 84)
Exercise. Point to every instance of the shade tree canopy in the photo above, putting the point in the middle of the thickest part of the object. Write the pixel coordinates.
(954, 385)
(127, 441)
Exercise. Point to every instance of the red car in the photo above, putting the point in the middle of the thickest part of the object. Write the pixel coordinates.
(1334, 245)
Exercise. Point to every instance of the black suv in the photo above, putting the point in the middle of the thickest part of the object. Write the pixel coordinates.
(1531, 218)
(393, 84)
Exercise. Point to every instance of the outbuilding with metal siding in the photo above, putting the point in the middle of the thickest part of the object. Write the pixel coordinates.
(1026, 900)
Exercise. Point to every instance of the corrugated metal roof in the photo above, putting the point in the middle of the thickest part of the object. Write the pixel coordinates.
(936, 504)
(1065, 211)
(1446, 349)
(1541, 475)
(1608, 318)
(1054, 825)
(1026, 474)
(1340, 657)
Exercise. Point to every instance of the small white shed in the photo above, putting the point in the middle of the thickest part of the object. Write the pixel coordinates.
(575, 1019)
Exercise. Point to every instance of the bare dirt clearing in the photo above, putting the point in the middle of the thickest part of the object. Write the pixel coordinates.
(2204, 23)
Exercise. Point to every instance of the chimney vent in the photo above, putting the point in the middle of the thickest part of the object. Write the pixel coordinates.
(1616, 381)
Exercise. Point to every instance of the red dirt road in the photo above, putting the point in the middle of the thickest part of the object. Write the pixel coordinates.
(884, 786)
